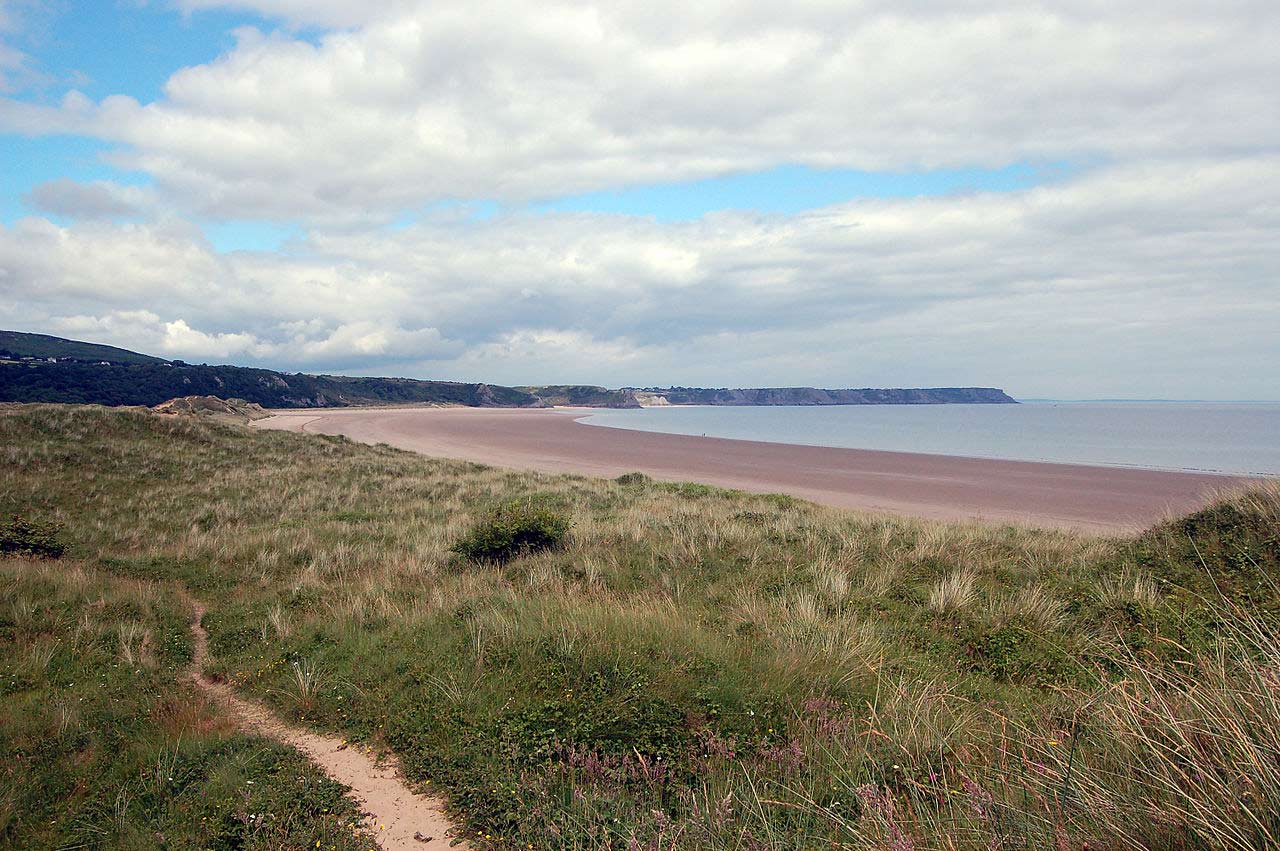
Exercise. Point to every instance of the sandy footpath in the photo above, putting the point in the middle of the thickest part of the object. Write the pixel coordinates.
(399, 817)
(1096, 499)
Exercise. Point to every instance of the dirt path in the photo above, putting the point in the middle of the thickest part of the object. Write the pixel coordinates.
(399, 817)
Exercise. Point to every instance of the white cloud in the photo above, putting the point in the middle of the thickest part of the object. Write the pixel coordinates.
(14, 64)
(100, 199)
(1154, 271)
(327, 13)
(1137, 280)
(174, 338)
(292, 342)
(421, 101)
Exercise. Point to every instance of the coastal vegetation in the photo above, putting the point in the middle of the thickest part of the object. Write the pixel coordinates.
(19, 536)
(150, 384)
(511, 530)
(582, 396)
(40, 368)
(660, 666)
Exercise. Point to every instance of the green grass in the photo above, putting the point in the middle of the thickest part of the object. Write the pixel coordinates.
(104, 744)
(692, 668)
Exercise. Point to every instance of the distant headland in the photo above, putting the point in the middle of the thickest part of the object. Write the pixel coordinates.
(654, 396)
(42, 368)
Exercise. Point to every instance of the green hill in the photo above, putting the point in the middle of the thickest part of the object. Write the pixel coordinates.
(583, 395)
(152, 383)
(39, 368)
(15, 345)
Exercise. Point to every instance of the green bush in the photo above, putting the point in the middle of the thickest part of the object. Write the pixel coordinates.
(512, 530)
(633, 479)
(20, 536)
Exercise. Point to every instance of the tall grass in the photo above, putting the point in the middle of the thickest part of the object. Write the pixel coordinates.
(104, 744)
(692, 668)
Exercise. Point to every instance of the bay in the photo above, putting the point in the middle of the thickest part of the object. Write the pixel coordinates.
(1230, 438)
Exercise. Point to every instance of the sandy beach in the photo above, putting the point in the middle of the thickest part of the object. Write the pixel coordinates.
(1095, 499)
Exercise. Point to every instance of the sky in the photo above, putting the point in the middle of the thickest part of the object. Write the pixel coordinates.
(1074, 199)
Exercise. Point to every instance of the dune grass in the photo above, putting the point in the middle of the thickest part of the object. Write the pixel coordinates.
(105, 745)
(692, 668)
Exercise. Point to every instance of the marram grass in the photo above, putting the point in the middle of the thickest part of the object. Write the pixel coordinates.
(693, 668)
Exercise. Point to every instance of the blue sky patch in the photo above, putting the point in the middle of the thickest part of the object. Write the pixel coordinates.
(249, 236)
(106, 47)
(32, 161)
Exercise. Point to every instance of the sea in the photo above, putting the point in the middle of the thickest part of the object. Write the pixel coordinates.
(1233, 438)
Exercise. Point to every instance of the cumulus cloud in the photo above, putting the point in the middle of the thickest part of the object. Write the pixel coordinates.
(99, 199)
(413, 101)
(14, 64)
(174, 338)
(1132, 280)
(1153, 271)
(292, 342)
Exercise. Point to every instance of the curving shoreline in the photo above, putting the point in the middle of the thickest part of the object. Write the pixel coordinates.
(1101, 500)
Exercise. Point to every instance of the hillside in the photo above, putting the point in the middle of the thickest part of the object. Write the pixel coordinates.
(580, 395)
(16, 345)
(39, 368)
(689, 669)
(150, 384)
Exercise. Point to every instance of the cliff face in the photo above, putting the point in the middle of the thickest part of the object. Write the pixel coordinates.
(582, 395)
(816, 396)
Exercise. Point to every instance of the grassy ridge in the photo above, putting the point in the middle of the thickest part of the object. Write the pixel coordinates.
(697, 668)
(17, 344)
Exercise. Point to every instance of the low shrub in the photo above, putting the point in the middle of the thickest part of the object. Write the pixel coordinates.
(689, 490)
(628, 479)
(20, 536)
(512, 530)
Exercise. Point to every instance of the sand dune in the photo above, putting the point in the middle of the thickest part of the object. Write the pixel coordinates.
(1096, 499)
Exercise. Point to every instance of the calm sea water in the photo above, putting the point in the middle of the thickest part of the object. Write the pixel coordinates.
(1217, 437)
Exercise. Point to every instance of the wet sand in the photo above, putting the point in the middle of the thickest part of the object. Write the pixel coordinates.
(1094, 499)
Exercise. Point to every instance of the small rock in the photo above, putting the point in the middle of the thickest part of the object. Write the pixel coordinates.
(418, 836)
